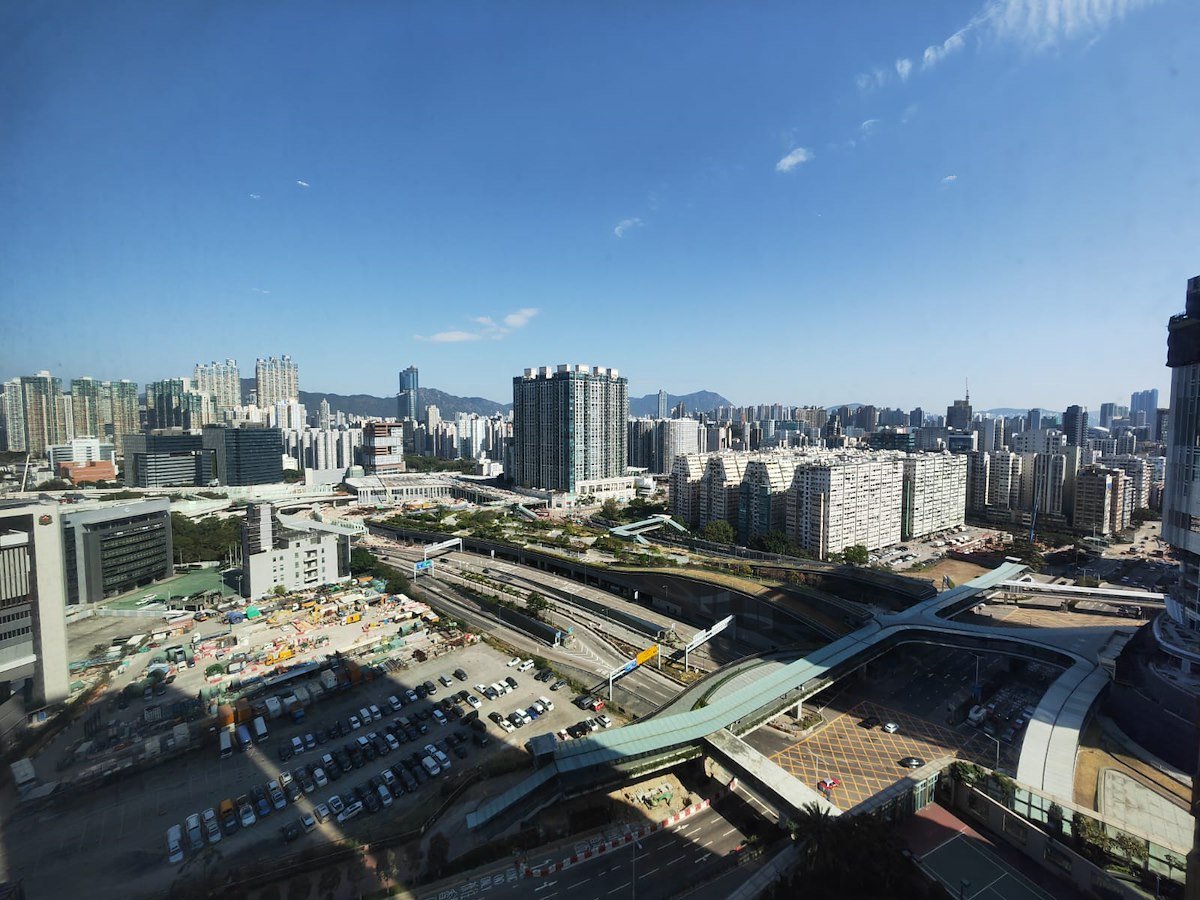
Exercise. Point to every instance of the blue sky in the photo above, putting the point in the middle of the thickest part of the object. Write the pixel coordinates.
(796, 203)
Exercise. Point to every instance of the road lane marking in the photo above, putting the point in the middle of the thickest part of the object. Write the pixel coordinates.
(622, 887)
(729, 832)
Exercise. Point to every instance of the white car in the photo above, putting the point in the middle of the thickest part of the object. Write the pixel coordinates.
(391, 741)
(355, 724)
(350, 812)
(440, 716)
(211, 826)
(321, 811)
(891, 727)
(515, 661)
(474, 701)
(394, 703)
(307, 822)
(277, 799)
(605, 721)
(174, 844)
(194, 833)
(320, 779)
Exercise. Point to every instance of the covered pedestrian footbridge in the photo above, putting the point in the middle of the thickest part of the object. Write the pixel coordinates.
(740, 706)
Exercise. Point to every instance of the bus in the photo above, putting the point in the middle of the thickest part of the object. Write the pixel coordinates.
(226, 745)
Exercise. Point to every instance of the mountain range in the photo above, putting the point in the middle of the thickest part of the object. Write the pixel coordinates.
(449, 405)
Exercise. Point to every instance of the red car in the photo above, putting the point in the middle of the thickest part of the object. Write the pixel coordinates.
(828, 784)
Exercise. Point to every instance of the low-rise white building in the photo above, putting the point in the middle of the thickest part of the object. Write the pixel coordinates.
(274, 556)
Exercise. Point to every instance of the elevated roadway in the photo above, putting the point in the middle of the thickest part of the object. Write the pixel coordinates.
(754, 696)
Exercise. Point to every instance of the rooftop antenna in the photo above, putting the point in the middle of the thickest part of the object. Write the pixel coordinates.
(967, 382)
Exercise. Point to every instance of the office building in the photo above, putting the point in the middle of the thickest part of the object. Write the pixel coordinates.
(116, 548)
(81, 450)
(276, 380)
(1180, 637)
(383, 448)
(916, 418)
(1034, 420)
(167, 459)
(409, 398)
(844, 501)
(568, 427)
(1100, 501)
(33, 631)
(1143, 406)
(934, 493)
(1108, 412)
(275, 555)
(959, 415)
(221, 381)
(1075, 425)
(245, 456)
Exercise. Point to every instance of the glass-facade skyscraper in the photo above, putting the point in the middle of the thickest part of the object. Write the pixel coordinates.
(408, 400)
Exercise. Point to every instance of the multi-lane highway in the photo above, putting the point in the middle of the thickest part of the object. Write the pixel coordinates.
(589, 652)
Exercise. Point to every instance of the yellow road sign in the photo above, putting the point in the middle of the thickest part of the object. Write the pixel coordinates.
(648, 654)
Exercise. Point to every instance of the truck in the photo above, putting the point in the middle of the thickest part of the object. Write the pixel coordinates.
(225, 717)
(329, 680)
(293, 706)
(274, 707)
(354, 670)
(316, 691)
(301, 693)
(242, 711)
(260, 729)
(234, 617)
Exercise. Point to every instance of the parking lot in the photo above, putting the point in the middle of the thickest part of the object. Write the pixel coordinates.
(867, 759)
(134, 814)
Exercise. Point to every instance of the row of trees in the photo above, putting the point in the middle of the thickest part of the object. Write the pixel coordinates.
(364, 562)
(202, 540)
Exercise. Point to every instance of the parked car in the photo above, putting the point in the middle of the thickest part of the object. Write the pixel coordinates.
(195, 833)
(211, 827)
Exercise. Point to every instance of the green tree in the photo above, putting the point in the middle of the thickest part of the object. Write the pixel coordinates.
(1143, 514)
(205, 539)
(719, 532)
(856, 555)
(611, 510)
(537, 604)
(1027, 552)
(55, 484)
(1133, 849)
(293, 476)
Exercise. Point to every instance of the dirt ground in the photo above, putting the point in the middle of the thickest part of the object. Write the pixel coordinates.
(1097, 752)
(960, 572)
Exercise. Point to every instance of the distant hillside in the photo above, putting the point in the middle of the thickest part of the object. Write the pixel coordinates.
(837, 406)
(699, 401)
(382, 407)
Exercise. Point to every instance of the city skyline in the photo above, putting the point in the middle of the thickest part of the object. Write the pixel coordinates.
(879, 188)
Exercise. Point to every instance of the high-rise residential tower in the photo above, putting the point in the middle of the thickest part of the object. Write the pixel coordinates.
(568, 426)
(408, 401)
(45, 411)
(276, 380)
(662, 404)
(222, 380)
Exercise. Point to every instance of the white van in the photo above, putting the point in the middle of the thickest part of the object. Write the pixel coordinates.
(174, 844)
(549, 704)
(430, 766)
(385, 796)
(525, 666)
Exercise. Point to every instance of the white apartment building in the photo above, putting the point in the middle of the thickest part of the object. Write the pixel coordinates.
(979, 476)
(275, 556)
(686, 474)
(720, 487)
(222, 381)
(1044, 440)
(935, 493)
(1004, 484)
(846, 500)
(1139, 474)
(762, 500)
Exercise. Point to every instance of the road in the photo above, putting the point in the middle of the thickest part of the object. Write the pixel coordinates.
(661, 864)
(588, 653)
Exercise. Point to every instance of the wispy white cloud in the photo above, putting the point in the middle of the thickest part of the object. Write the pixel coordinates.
(259, 291)
(794, 158)
(449, 337)
(256, 196)
(626, 225)
(303, 183)
(1032, 24)
(487, 328)
(520, 318)
(949, 179)
(868, 126)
